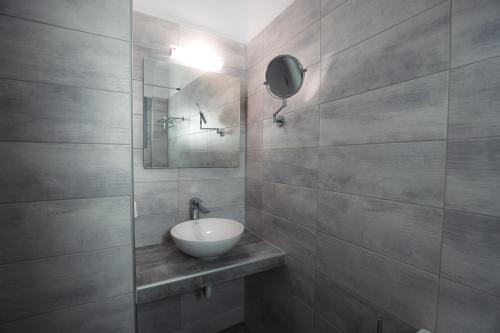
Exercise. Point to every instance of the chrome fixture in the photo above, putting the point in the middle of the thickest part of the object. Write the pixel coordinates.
(169, 122)
(195, 208)
(284, 78)
(203, 120)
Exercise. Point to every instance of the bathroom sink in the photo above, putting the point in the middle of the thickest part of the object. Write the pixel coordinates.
(207, 238)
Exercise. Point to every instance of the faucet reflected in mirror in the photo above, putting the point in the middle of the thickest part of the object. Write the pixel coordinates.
(195, 208)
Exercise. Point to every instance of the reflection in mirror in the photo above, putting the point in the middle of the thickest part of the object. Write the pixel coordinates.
(191, 117)
(284, 78)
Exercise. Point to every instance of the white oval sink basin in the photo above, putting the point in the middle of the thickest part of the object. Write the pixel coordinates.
(207, 238)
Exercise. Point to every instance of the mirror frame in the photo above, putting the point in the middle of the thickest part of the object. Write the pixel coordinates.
(302, 73)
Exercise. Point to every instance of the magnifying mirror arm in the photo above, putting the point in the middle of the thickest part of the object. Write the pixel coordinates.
(279, 120)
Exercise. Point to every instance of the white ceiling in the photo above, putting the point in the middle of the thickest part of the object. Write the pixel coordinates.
(239, 20)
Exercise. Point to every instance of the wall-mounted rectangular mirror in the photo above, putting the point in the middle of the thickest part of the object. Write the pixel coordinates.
(191, 117)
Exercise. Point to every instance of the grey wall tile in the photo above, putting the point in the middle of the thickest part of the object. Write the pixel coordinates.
(298, 204)
(358, 20)
(472, 182)
(137, 96)
(305, 46)
(306, 97)
(137, 131)
(45, 171)
(216, 324)
(155, 33)
(256, 77)
(254, 136)
(408, 233)
(214, 173)
(255, 49)
(160, 316)
(475, 31)
(300, 15)
(269, 307)
(108, 18)
(474, 100)
(349, 313)
(34, 287)
(154, 229)
(298, 277)
(53, 113)
(465, 310)
(321, 325)
(256, 106)
(214, 193)
(38, 52)
(470, 251)
(41, 229)
(253, 193)
(328, 5)
(406, 292)
(410, 111)
(151, 175)
(415, 48)
(254, 165)
(296, 240)
(301, 129)
(227, 296)
(292, 166)
(408, 172)
(109, 315)
(157, 197)
(138, 55)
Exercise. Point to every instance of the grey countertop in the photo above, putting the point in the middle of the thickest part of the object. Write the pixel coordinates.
(162, 270)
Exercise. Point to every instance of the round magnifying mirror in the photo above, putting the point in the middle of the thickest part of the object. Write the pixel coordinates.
(284, 76)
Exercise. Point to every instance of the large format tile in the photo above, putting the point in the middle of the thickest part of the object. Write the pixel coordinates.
(296, 166)
(46, 171)
(410, 111)
(305, 46)
(253, 193)
(155, 33)
(34, 287)
(156, 198)
(53, 113)
(475, 31)
(472, 182)
(296, 240)
(214, 192)
(32, 51)
(301, 129)
(254, 165)
(409, 172)
(160, 316)
(143, 175)
(475, 100)
(109, 315)
(352, 314)
(300, 15)
(328, 5)
(358, 20)
(154, 229)
(49, 228)
(409, 233)
(137, 96)
(413, 49)
(297, 204)
(400, 289)
(471, 245)
(108, 18)
(269, 307)
(465, 310)
(214, 173)
(195, 307)
(254, 136)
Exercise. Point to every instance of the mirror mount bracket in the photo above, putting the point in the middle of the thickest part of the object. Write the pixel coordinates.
(278, 119)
